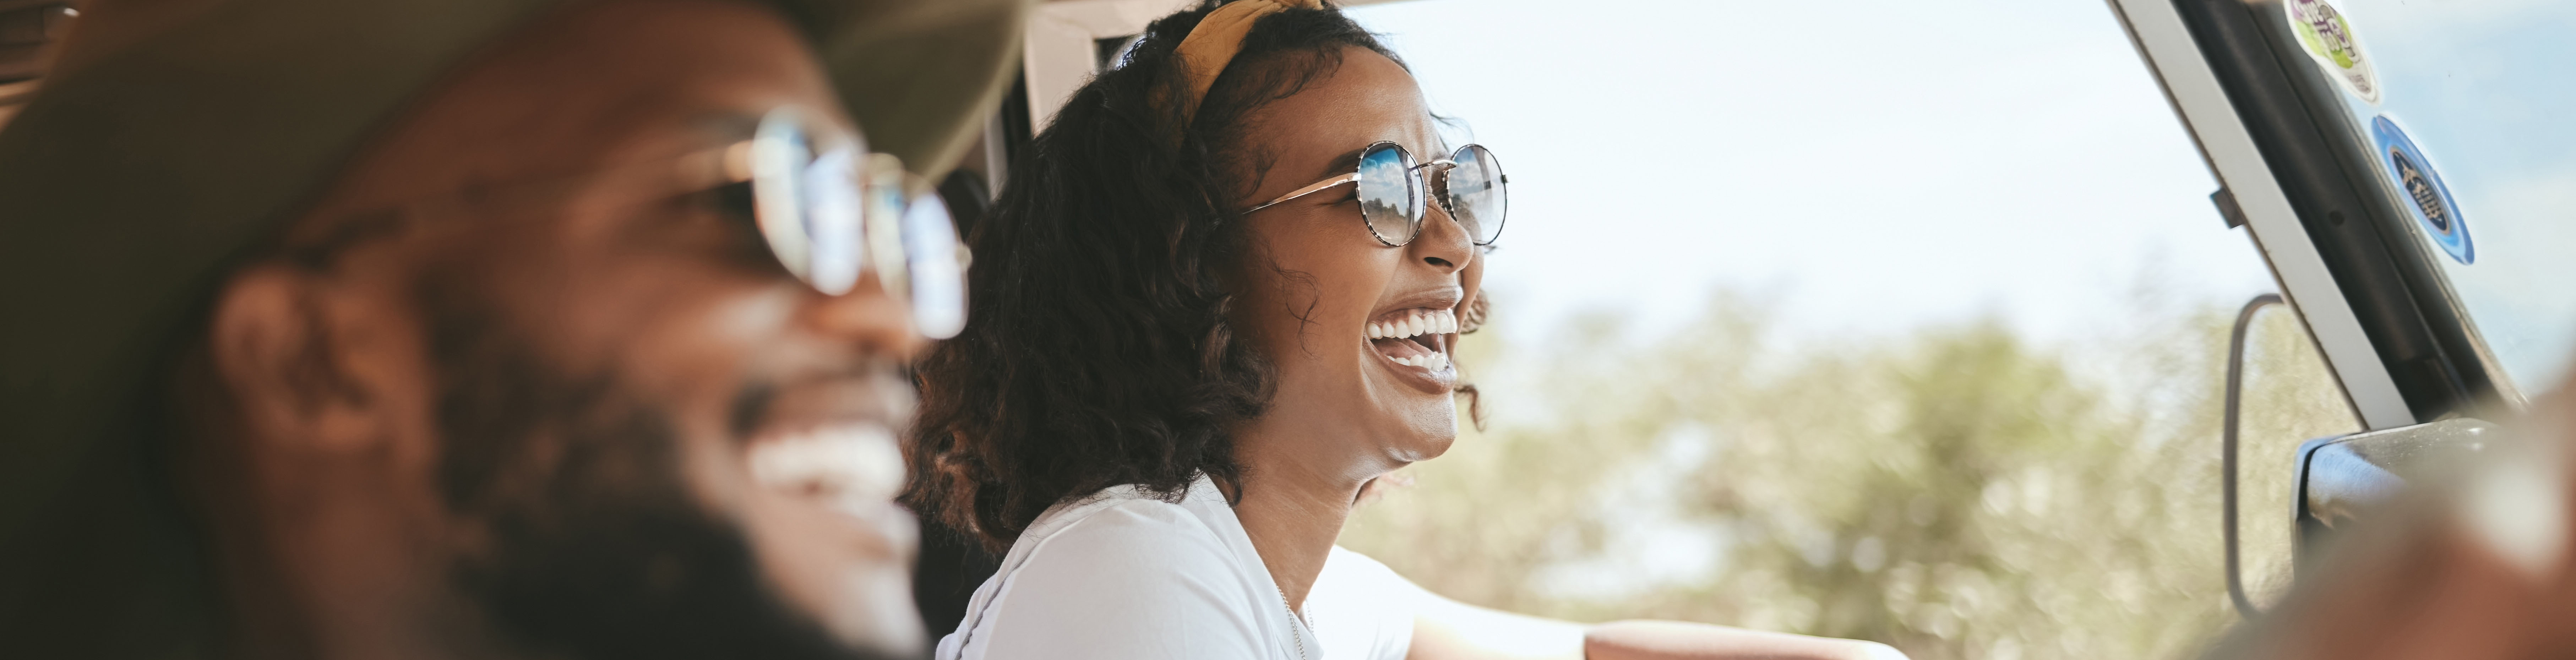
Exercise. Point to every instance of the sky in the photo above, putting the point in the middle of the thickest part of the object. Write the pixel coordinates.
(1868, 166)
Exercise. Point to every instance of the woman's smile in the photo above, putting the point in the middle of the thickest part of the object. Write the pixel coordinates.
(1412, 338)
(1415, 337)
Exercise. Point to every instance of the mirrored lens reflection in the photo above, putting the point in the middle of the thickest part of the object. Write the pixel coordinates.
(1475, 190)
(938, 267)
(832, 222)
(827, 217)
(779, 153)
(1389, 194)
(882, 239)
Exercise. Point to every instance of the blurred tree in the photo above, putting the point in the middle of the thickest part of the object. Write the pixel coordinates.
(1955, 492)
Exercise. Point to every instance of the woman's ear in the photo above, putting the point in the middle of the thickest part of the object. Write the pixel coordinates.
(272, 342)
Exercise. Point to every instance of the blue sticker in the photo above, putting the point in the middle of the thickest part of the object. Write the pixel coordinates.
(2427, 199)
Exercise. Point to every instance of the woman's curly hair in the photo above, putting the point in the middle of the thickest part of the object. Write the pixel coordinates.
(1099, 353)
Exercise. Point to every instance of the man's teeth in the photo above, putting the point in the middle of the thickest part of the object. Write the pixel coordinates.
(1432, 361)
(1419, 322)
(858, 462)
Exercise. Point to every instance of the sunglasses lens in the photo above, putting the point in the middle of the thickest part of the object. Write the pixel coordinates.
(1476, 195)
(832, 219)
(827, 216)
(1390, 194)
(807, 205)
(937, 265)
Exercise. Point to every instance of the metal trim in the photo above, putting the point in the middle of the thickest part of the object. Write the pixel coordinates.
(2156, 28)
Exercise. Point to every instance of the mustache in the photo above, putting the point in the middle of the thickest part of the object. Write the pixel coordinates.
(871, 391)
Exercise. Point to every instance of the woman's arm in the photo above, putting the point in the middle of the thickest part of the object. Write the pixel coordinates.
(1445, 629)
(1676, 640)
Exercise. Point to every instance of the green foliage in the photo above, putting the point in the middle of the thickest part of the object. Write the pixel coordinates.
(1956, 492)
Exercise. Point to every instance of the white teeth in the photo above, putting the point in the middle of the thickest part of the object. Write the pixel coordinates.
(1432, 361)
(1415, 324)
(855, 463)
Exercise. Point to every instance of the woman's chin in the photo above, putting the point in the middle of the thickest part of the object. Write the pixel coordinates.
(1427, 449)
(1431, 432)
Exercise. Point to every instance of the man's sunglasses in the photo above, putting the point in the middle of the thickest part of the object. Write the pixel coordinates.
(1394, 197)
(829, 213)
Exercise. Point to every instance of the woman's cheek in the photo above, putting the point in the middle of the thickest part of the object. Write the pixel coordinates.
(1472, 278)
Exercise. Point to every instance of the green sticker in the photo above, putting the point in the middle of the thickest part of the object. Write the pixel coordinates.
(2329, 39)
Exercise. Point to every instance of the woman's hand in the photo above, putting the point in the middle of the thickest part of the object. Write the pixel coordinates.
(1675, 640)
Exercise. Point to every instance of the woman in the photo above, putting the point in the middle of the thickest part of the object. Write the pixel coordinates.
(1217, 301)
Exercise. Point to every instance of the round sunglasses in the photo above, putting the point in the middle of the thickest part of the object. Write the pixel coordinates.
(827, 212)
(830, 213)
(1394, 195)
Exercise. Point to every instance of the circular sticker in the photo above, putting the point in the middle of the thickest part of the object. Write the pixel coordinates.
(2427, 199)
(2328, 36)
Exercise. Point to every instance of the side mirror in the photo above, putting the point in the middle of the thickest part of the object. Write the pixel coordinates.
(2342, 478)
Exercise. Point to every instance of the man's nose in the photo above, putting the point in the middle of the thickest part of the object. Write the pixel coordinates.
(880, 324)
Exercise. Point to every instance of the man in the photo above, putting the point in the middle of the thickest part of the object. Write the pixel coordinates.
(392, 328)
(2476, 564)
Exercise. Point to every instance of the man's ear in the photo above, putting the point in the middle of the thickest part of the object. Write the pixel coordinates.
(273, 343)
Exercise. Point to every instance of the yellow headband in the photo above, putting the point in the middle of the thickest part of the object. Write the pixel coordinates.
(1213, 44)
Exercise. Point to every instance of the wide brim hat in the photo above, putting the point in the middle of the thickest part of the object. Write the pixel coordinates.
(174, 137)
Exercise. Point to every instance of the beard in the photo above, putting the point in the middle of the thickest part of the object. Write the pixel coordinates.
(592, 544)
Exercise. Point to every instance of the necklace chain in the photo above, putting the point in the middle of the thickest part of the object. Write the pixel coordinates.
(1293, 622)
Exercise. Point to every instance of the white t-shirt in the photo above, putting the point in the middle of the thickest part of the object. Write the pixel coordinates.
(1123, 576)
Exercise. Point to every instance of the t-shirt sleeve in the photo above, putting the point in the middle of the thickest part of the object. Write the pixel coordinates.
(1139, 581)
(1362, 610)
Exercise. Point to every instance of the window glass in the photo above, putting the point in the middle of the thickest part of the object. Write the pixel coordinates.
(2464, 106)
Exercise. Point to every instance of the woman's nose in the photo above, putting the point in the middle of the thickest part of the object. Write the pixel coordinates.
(1443, 243)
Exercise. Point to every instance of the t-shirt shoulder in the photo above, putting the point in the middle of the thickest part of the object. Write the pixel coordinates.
(1362, 609)
(1125, 578)
(1348, 562)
